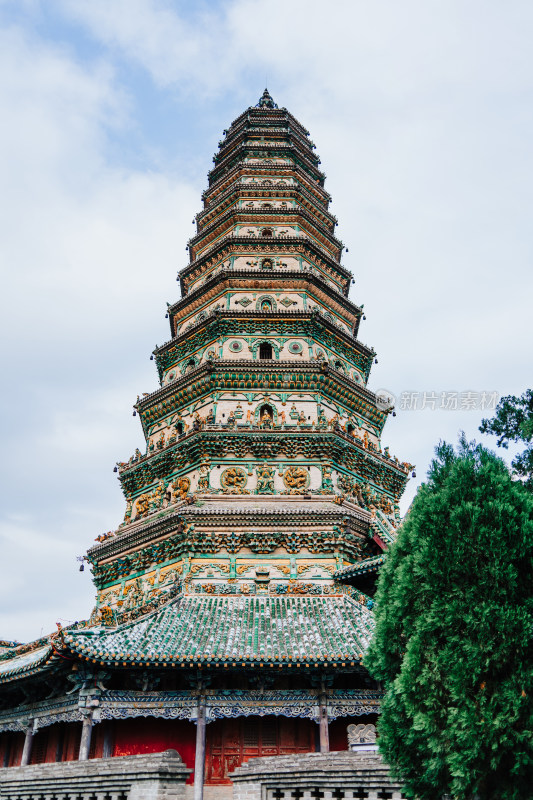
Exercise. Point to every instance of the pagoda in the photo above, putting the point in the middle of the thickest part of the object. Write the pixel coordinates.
(234, 601)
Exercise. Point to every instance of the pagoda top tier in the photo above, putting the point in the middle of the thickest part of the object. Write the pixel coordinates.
(265, 101)
(265, 207)
(273, 132)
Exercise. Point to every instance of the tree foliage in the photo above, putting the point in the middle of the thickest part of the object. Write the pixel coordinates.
(453, 643)
(513, 422)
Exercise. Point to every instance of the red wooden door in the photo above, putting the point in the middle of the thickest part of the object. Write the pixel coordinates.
(232, 741)
(223, 750)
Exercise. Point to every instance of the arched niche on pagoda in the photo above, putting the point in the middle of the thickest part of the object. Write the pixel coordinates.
(266, 303)
(265, 349)
(189, 364)
(266, 415)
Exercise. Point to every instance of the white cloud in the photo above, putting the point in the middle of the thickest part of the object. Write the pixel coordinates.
(151, 33)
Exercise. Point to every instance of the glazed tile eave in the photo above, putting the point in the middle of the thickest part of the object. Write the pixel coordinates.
(290, 278)
(200, 630)
(367, 565)
(255, 511)
(249, 243)
(20, 666)
(245, 366)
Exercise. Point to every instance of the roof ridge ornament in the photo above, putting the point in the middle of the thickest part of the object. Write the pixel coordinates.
(266, 101)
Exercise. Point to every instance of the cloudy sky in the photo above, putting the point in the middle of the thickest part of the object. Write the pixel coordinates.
(111, 111)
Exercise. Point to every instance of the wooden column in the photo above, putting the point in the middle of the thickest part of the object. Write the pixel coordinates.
(7, 749)
(323, 722)
(107, 750)
(199, 761)
(60, 742)
(86, 732)
(26, 750)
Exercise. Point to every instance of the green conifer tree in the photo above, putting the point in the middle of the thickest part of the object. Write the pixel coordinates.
(454, 637)
(513, 422)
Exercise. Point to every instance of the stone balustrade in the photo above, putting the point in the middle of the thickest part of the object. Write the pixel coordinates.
(156, 776)
(316, 776)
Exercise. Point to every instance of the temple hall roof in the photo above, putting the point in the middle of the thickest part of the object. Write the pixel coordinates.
(235, 631)
(25, 663)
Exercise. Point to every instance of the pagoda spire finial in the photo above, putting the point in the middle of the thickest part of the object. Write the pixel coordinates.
(265, 101)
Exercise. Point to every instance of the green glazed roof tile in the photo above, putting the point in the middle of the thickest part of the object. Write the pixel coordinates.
(25, 663)
(230, 629)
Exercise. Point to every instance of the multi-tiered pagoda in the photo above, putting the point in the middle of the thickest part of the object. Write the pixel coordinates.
(234, 601)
